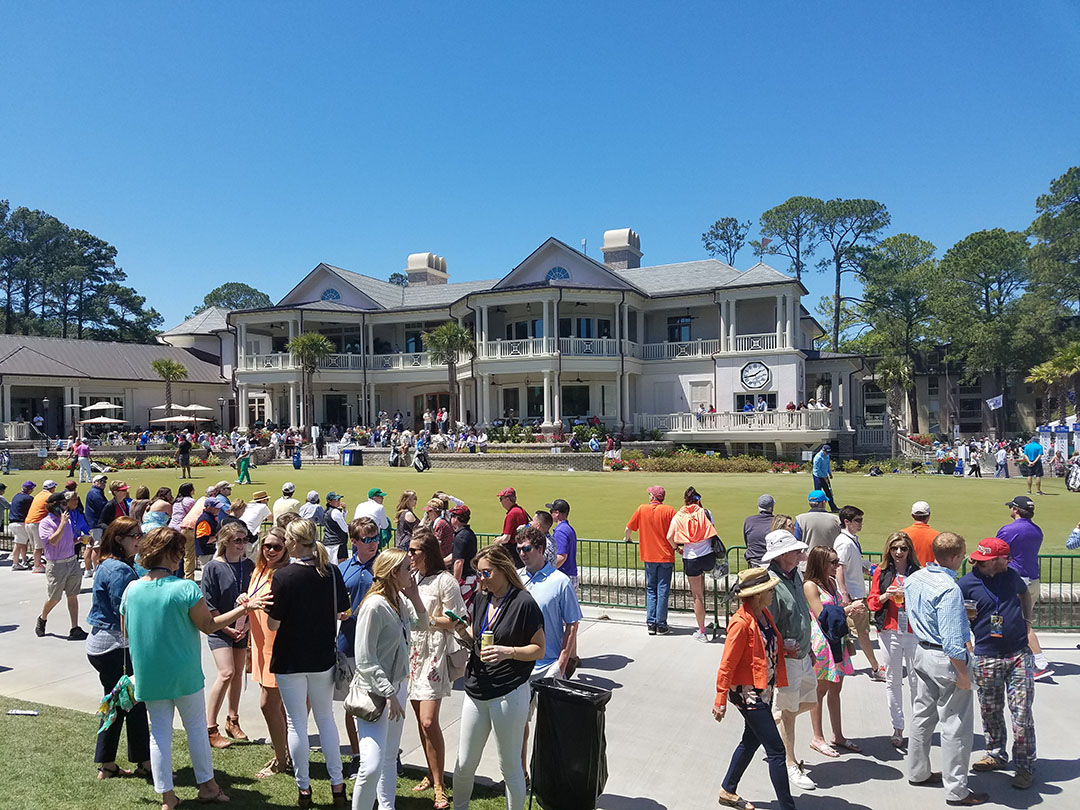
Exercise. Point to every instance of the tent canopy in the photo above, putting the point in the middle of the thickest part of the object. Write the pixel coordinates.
(103, 406)
(102, 420)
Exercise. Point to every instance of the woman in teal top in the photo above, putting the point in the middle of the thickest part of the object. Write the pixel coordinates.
(163, 616)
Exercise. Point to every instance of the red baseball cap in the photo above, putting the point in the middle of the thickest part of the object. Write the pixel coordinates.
(507, 493)
(992, 548)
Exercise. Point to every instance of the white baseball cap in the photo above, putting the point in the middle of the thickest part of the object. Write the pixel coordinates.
(920, 508)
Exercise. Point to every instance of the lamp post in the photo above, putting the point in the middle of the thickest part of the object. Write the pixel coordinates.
(221, 412)
(45, 407)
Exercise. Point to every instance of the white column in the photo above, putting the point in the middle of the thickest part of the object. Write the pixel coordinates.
(779, 320)
(547, 394)
(723, 325)
(292, 328)
(5, 394)
(547, 333)
(483, 330)
(242, 408)
(555, 334)
(618, 325)
(618, 396)
(793, 320)
(641, 326)
(556, 409)
(732, 312)
(370, 340)
(292, 420)
(626, 322)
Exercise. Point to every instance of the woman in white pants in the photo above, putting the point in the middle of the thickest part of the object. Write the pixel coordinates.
(163, 616)
(886, 600)
(390, 611)
(308, 598)
(506, 639)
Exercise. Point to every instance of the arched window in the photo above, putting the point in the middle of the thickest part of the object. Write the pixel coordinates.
(330, 294)
(558, 274)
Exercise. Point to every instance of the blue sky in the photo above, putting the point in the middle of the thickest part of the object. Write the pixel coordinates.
(228, 141)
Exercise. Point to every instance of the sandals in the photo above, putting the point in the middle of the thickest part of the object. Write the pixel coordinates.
(217, 798)
(441, 802)
(824, 748)
(109, 773)
(847, 745)
(271, 768)
(143, 773)
(340, 799)
(304, 798)
(897, 740)
(738, 802)
(422, 785)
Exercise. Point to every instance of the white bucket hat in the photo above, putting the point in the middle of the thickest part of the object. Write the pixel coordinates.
(781, 542)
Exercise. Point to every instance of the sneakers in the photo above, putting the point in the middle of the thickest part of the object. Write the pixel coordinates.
(662, 629)
(797, 776)
(972, 799)
(652, 629)
(76, 633)
(1022, 780)
(700, 636)
(878, 674)
(988, 763)
(39, 628)
(39, 569)
(20, 566)
(88, 575)
(1043, 672)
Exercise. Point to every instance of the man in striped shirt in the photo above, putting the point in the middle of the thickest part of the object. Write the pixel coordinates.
(935, 609)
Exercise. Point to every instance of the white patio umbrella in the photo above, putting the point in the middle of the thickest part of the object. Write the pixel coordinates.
(175, 407)
(179, 419)
(103, 406)
(194, 407)
(103, 420)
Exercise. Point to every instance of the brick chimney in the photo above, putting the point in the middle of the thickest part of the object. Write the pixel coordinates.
(622, 249)
(426, 269)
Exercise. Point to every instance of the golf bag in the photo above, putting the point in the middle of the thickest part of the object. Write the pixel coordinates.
(1072, 478)
(395, 455)
(420, 461)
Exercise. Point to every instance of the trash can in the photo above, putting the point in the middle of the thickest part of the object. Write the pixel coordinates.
(346, 458)
(569, 763)
(357, 457)
(296, 462)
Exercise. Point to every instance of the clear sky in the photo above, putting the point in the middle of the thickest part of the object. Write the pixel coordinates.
(212, 142)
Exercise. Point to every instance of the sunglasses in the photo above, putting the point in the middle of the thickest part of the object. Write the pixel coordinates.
(272, 547)
(134, 534)
(369, 539)
(485, 574)
(524, 549)
(414, 551)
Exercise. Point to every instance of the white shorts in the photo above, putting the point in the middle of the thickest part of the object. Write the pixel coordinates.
(18, 532)
(801, 688)
(95, 534)
(33, 536)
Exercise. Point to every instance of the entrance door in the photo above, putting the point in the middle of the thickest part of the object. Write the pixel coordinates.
(335, 410)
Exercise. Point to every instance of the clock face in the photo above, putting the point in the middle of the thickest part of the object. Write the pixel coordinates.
(755, 375)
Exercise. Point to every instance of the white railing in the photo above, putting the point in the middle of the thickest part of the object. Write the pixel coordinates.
(731, 421)
(407, 360)
(872, 437)
(342, 362)
(676, 351)
(526, 347)
(259, 362)
(755, 343)
(913, 449)
(631, 349)
(589, 347)
(15, 431)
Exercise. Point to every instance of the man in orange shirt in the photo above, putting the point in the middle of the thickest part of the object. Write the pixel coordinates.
(922, 536)
(37, 512)
(651, 521)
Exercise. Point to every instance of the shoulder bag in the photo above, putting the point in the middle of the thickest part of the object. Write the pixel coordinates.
(343, 668)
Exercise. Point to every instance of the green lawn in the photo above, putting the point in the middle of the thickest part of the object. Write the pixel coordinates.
(602, 502)
(49, 766)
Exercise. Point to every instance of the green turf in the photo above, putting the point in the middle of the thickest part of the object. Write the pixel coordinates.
(601, 503)
(48, 765)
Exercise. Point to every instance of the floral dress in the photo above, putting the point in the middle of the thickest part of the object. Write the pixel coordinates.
(429, 677)
(745, 695)
(825, 665)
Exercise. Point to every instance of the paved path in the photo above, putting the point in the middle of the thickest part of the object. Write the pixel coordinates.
(664, 749)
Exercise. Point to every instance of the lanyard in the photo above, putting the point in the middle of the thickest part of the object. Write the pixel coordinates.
(490, 620)
(991, 594)
(238, 572)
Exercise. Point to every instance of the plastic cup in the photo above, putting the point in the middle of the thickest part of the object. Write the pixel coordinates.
(972, 608)
(900, 598)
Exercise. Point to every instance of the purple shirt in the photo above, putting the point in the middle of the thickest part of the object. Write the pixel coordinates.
(65, 546)
(566, 543)
(83, 451)
(1025, 540)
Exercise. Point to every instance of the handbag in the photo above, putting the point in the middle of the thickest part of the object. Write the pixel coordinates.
(343, 668)
(363, 704)
(457, 657)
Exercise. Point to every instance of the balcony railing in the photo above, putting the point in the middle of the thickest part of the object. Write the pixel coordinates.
(736, 421)
(388, 362)
(261, 362)
(755, 343)
(343, 362)
(526, 347)
(589, 347)
(677, 351)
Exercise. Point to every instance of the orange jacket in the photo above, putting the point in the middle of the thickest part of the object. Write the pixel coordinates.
(744, 662)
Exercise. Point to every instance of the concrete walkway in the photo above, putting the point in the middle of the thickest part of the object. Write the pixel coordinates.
(664, 749)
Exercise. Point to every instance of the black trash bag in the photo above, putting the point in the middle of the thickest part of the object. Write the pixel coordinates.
(569, 762)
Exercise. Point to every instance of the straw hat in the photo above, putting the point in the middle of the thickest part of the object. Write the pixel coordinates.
(753, 581)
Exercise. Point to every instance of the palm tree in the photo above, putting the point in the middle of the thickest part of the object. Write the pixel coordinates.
(1069, 358)
(309, 349)
(445, 344)
(170, 371)
(1052, 375)
(895, 375)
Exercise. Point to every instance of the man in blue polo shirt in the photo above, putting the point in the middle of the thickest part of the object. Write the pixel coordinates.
(1033, 452)
(558, 602)
(822, 472)
(1003, 663)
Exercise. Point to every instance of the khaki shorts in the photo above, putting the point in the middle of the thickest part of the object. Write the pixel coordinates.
(34, 538)
(860, 623)
(19, 533)
(96, 534)
(1034, 588)
(801, 688)
(63, 577)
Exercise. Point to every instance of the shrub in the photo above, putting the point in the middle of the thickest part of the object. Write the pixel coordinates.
(925, 439)
(851, 465)
(703, 463)
(631, 465)
(786, 467)
(635, 455)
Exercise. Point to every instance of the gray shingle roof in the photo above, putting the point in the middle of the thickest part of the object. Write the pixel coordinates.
(383, 292)
(210, 320)
(707, 274)
(96, 359)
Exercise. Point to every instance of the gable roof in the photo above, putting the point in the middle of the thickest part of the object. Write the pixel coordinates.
(97, 359)
(210, 320)
(619, 282)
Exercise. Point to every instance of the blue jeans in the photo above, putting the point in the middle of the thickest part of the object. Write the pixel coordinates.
(759, 729)
(1001, 470)
(657, 587)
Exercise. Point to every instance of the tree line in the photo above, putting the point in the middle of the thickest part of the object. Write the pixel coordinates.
(997, 302)
(61, 281)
